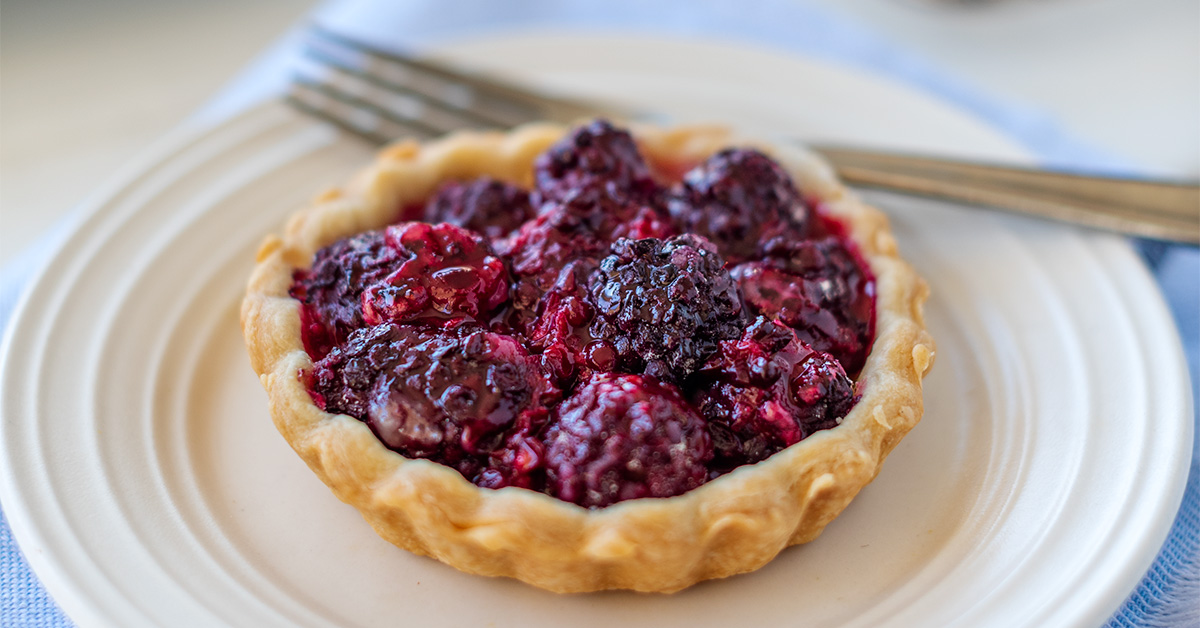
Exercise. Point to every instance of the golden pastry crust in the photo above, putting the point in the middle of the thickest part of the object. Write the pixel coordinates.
(734, 524)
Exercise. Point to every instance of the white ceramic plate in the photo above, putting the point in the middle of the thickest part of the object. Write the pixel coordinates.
(147, 486)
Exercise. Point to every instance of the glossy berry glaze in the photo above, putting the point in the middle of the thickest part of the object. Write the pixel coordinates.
(605, 336)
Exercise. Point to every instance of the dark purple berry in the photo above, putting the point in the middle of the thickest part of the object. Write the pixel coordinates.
(738, 198)
(457, 396)
(663, 305)
(623, 437)
(766, 391)
(543, 247)
(485, 205)
(331, 291)
(565, 243)
(820, 289)
(448, 273)
(594, 155)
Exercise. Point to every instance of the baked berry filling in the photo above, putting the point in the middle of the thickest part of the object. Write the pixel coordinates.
(601, 337)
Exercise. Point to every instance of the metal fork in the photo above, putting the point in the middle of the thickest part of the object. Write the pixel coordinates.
(384, 95)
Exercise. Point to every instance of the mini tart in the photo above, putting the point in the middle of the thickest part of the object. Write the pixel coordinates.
(733, 524)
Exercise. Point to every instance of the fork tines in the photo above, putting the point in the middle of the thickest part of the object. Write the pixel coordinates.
(383, 95)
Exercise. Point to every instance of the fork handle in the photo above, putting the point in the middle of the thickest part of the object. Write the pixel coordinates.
(1163, 210)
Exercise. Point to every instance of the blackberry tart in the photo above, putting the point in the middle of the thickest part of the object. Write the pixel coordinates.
(591, 358)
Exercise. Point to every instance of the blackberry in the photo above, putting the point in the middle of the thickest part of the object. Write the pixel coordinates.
(663, 305)
(448, 274)
(623, 437)
(766, 391)
(820, 289)
(553, 255)
(738, 198)
(331, 291)
(485, 205)
(461, 396)
(594, 155)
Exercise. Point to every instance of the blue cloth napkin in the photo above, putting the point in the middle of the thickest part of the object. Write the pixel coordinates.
(1170, 593)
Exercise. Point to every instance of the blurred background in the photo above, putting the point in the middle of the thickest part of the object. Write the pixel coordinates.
(87, 85)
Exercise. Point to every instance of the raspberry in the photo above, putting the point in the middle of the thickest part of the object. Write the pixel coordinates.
(738, 198)
(662, 305)
(458, 396)
(485, 205)
(331, 290)
(596, 154)
(623, 437)
(766, 391)
(449, 273)
(819, 288)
